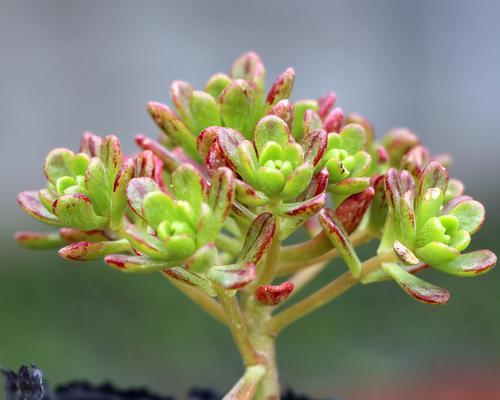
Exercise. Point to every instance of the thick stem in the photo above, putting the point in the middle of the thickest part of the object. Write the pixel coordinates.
(325, 294)
(246, 387)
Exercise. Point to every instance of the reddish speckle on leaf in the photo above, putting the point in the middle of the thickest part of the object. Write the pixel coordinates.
(272, 295)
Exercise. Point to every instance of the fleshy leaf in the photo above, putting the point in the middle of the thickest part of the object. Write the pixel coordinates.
(173, 127)
(405, 254)
(469, 264)
(283, 110)
(248, 195)
(119, 195)
(333, 229)
(297, 181)
(111, 156)
(353, 138)
(72, 235)
(281, 89)
(77, 211)
(326, 103)
(83, 251)
(314, 145)
(188, 185)
(31, 204)
(232, 276)
(236, 103)
(436, 253)
(250, 68)
(216, 84)
(197, 281)
(351, 211)
(303, 209)
(98, 186)
(59, 164)
(181, 93)
(470, 214)
(349, 186)
(39, 240)
(271, 129)
(137, 190)
(220, 197)
(417, 288)
(300, 108)
(433, 176)
(397, 142)
(272, 295)
(334, 120)
(170, 160)
(148, 244)
(137, 264)
(259, 237)
(158, 207)
(204, 111)
(229, 140)
(91, 144)
(203, 259)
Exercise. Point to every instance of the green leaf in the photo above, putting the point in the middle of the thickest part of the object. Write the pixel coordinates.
(204, 258)
(297, 181)
(137, 264)
(271, 129)
(270, 181)
(181, 93)
(248, 195)
(220, 197)
(470, 214)
(436, 253)
(417, 288)
(250, 68)
(173, 127)
(77, 211)
(433, 176)
(83, 251)
(159, 207)
(148, 244)
(397, 142)
(189, 278)
(284, 110)
(302, 209)
(259, 238)
(470, 264)
(314, 144)
(98, 187)
(300, 126)
(187, 184)
(111, 156)
(91, 145)
(204, 111)
(349, 186)
(234, 276)
(59, 164)
(137, 190)
(353, 138)
(236, 104)
(216, 84)
(340, 240)
(119, 195)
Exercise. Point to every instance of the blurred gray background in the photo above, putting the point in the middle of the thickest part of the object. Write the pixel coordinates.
(71, 66)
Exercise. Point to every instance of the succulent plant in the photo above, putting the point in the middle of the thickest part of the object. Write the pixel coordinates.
(233, 174)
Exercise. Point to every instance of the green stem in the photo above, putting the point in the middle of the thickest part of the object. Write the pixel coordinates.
(238, 327)
(325, 294)
(246, 387)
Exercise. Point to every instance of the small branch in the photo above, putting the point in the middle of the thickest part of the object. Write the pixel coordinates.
(246, 387)
(211, 306)
(238, 327)
(325, 294)
(319, 249)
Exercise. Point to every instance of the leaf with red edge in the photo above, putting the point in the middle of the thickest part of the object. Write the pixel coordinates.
(236, 105)
(303, 209)
(470, 264)
(77, 211)
(249, 66)
(30, 203)
(203, 259)
(312, 121)
(416, 159)
(191, 279)
(417, 288)
(91, 144)
(234, 276)
(137, 190)
(39, 240)
(272, 295)
(314, 144)
(119, 195)
(326, 103)
(148, 244)
(434, 175)
(72, 235)
(351, 211)
(283, 110)
(181, 93)
(215, 159)
(111, 156)
(220, 197)
(229, 140)
(281, 89)
(248, 195)
(334, 120)
(397, 142)
(83, 251)
(471, 215)
(188, 185)
(271, 128)
(58, 164)
(339, 238)
(349, 186)
(170, 159)
(137, 264)
(206, 139)
(259, 238)
(173, 127)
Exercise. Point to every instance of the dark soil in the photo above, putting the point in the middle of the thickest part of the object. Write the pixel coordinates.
(29, 384)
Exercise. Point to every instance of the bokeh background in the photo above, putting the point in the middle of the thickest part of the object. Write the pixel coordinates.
(71, 66)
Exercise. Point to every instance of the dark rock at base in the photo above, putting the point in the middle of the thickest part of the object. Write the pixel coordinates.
(28, 384)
